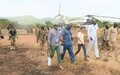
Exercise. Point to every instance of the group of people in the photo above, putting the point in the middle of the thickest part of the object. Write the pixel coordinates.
(109, 40)
(56, 39)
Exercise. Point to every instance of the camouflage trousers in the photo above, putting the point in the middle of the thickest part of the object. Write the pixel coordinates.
(105, 45)
(12, 41)
(36, 37)
(41, 43)
(113, 49)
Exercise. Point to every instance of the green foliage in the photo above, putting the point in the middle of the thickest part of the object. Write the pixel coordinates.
(5, 22)
(75, 26)
(102, 24)
(38, 25)
(61, 24)
(48, 23)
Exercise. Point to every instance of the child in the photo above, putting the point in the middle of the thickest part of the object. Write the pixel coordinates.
(81, 42)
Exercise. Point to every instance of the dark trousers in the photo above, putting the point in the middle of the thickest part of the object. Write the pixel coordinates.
(84, 49)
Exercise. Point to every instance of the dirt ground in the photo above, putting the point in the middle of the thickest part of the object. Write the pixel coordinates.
(28, 60)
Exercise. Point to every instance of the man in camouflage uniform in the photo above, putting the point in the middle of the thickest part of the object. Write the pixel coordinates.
(106, 39)
(36, 33)
(113, 38)
(41, 37)
(1, 36)
(47, 31)
(12, 36)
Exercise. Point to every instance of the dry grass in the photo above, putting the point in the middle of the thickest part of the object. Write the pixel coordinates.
(27, 60)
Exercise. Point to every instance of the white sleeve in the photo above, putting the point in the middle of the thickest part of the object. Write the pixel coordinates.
(97, 26)
(88, 31)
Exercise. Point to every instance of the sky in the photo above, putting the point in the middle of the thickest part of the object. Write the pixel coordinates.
(49, 8)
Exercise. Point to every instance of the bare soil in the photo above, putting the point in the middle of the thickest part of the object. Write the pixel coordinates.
(27, 59)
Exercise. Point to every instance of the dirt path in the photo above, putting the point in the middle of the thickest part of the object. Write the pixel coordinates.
(27, 60)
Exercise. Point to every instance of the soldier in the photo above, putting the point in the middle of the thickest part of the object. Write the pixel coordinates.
(41, 37)
(10, 26)
(36, 33)
(12, 36)
(113, 38)
(1, 36)
(106, 40)
(106, 37)
(47, 31)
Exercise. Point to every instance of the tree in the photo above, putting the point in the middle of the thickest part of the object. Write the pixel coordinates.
(48, 23)
(4, 23)
(102, 24)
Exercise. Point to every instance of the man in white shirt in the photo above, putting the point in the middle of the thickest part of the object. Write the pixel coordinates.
(92, 37)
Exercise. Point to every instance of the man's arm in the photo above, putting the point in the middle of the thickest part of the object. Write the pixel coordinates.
(108, 36)
(49, 38)
(88, 32)
(16, 33)
(62, 34)
(97, 28)
(61, 39)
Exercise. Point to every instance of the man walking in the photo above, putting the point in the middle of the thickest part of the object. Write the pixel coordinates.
(106, 37)
(67, 43)
(54, 39)
(1, 36)
(106, 40)
(92, 37)
(41, 38)
(12, 36)
(113, 38)
(81, 42)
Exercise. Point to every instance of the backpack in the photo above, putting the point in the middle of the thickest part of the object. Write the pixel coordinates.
(12, 32)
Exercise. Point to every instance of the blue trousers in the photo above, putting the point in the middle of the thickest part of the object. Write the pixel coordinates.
(70, 50)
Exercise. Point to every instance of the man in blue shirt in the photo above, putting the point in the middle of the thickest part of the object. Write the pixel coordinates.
(67, 43)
